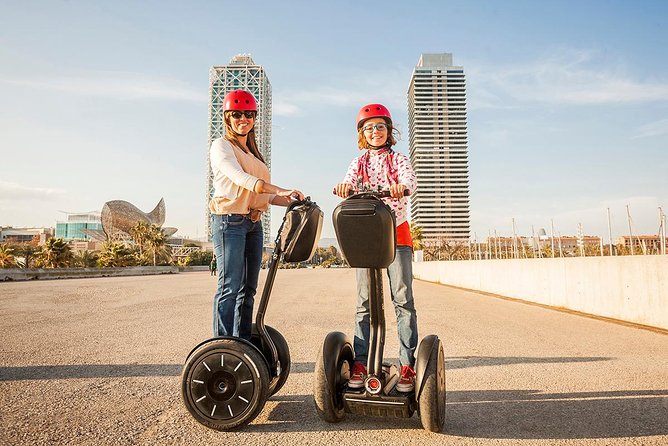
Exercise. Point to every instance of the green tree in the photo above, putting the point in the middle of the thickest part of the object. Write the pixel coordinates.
(7, 259)
(140, 233)
(115, 254)
(156, 246)
(416, 235)
(28, 252)
(200, 258)
(85, 259)
(55, 253)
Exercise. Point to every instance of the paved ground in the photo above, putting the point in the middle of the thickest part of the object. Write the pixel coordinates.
(97, 362)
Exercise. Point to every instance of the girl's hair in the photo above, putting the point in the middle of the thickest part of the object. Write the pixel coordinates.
(392, 136)
(250, 137)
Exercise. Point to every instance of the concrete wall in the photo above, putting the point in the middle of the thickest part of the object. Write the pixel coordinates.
(77, 273)
(629, 288)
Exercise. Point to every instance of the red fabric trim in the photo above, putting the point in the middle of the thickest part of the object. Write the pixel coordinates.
(404, 235)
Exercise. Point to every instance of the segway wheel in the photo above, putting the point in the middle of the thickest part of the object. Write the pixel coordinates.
(332, 372)
(224, 383)
(283, 355)
(431, 402)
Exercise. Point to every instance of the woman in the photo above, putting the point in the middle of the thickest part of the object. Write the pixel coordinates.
(381, 167)
(242, 191)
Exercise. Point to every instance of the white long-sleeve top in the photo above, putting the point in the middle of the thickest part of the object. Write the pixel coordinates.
(235, 173)
(379, 176)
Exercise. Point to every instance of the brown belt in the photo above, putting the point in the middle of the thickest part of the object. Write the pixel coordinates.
(254, 215)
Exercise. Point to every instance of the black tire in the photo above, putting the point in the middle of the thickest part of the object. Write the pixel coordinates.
(224, 383)
(331, 376)
(283, 356)
(431, 403)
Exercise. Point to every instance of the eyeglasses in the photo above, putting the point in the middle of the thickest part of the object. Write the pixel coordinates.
(370, 128)
(248, 114)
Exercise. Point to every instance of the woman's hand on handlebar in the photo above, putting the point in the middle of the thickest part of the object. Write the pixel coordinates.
(293, 193)
(343, 190)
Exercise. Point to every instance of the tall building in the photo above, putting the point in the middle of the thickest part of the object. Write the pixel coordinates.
(439, 148)
(242, 73)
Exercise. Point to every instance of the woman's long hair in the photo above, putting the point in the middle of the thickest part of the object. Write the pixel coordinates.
(231, 136)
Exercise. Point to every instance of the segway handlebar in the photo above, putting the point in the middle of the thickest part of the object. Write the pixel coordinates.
(379, 193)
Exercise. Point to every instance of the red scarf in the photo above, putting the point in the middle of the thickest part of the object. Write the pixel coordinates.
(388, 162)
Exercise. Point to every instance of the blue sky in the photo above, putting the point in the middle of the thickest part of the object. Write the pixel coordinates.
(567, 102)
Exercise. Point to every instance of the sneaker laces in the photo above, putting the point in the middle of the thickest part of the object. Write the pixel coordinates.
(407, 373)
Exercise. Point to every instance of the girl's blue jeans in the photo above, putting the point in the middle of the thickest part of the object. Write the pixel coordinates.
(400, 274)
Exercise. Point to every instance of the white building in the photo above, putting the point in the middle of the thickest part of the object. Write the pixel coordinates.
(242, 73)
(438, 147)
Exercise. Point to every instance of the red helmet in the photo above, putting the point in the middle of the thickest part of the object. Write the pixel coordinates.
(241, 100)
(373, 111)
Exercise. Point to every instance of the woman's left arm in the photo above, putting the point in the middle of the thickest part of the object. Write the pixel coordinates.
(281, 201)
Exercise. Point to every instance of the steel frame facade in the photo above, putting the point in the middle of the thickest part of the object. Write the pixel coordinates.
(438, 145)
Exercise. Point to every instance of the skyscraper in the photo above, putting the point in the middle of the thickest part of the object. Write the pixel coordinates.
(242, 73)
(439, 148)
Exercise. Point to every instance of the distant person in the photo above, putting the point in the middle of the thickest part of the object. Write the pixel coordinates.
(381, 167)
(242, 191)
(212, 266)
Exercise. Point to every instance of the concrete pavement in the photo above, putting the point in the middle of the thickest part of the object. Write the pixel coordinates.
(97, 361)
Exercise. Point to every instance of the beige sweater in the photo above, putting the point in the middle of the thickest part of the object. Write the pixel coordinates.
(235, 173)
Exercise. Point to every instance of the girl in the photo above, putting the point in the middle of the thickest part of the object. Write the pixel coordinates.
(380, 166)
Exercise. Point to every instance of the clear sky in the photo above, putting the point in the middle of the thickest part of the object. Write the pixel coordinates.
(567, 102)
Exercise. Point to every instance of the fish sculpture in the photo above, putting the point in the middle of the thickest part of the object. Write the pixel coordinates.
(118, 217)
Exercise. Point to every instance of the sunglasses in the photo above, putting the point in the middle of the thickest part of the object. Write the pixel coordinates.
(248, 114)
(370, 128)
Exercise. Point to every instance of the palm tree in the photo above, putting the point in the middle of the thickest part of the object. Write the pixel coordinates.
(7, 259)
(85, 259)
(416, 235)
(55, 253)
(156, 244)
(115, 254)
(140, 233)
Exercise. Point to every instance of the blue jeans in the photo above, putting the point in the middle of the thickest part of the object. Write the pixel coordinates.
(237, 244)
(400, 273)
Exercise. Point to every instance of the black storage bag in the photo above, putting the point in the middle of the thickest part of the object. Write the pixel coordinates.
(301, 231)
(366, 230)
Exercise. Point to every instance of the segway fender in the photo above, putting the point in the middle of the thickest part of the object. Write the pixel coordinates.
(331, 350)
(428, 344)
(228, 337)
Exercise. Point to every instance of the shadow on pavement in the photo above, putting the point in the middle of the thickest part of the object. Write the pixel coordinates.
(108, 371)
(463, 362)
(88, 371)
(503, 414)
(527, 414)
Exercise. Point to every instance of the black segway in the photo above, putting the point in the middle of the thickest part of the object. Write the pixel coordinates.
(365, 229)
(227, 380)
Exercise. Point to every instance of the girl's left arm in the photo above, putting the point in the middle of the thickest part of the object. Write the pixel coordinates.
(405, 172)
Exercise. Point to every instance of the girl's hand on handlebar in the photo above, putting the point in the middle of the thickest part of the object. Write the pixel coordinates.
(342, 190)
(397, 190)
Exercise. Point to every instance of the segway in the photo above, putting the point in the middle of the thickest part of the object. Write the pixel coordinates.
(366, 231)
(227, 380)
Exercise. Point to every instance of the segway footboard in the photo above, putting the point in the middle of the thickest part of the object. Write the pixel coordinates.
(390, 406)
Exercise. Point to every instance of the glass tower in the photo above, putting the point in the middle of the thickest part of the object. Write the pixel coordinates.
(439, 148)
(242, 73)
(73, 228)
